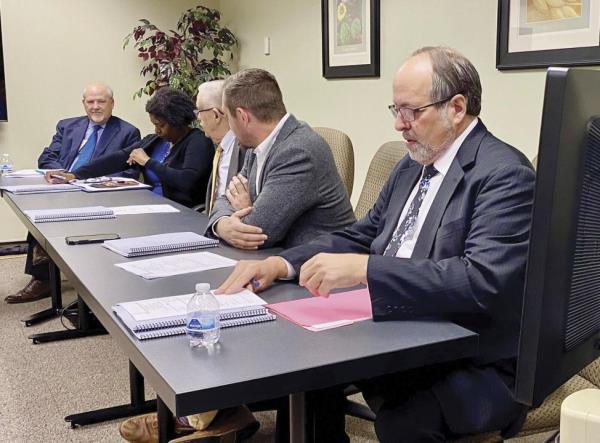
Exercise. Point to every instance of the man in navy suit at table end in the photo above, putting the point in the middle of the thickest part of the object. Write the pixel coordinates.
(77, 141)
(446, 239)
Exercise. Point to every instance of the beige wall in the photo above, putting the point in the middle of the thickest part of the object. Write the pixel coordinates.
(511, 101)
(52, 48)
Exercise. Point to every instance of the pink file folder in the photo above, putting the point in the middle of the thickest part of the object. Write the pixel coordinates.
(320, 313)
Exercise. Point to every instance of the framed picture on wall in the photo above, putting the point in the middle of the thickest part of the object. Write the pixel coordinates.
(542, 33)
(350, 38)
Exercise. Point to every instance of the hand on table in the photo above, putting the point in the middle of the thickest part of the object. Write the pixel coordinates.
(239, 234)
(237, 192)
(58, 177)
(254, 275)
(325, 272)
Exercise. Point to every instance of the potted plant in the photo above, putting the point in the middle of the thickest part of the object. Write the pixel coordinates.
(197, 52)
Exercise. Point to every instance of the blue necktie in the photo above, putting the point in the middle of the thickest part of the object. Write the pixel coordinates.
(406, 229)
(85, 154)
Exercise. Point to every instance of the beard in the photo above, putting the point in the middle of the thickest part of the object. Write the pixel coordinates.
(426, 153)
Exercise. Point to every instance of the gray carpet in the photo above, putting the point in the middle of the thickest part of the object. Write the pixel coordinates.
(41, 384)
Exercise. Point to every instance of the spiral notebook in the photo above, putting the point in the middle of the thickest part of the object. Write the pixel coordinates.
(166, 316)
(160, 244)
(69, 214)
(39, 188)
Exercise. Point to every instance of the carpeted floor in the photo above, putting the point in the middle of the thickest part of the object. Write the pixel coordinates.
(41, 384)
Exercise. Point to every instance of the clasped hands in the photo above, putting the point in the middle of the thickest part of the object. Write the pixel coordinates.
(139, 156)
(321, 274)
(232, 229)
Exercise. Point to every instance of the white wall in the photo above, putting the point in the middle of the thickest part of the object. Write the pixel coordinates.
(52, 49)
(511, 101)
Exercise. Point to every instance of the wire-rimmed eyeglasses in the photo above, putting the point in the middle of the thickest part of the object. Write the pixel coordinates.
(408, 114)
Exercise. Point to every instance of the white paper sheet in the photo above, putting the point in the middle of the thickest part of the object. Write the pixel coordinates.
(143, 209)
(176, 264)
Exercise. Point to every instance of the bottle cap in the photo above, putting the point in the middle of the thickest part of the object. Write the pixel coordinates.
(202, 287)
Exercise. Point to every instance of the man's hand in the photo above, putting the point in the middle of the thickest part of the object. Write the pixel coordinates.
(58, 177)
(139, 156)
(237, 192)
(254, 275)
(325, 272)
(239, 234)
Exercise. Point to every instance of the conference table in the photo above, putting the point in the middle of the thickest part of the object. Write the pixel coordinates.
(250, 363)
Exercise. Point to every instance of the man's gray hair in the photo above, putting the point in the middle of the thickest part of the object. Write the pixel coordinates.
(108, 89)
(257, 91)
(212, 93)
(453, 74)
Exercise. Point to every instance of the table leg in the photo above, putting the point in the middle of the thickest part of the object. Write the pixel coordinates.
(55, 297)
(297, 418)
(137, 406)
(166, 424)
(84, 329)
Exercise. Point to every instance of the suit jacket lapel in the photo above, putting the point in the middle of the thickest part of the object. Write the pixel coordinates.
(404, 185)
(110, 130)
(464, 158)
(76, 138)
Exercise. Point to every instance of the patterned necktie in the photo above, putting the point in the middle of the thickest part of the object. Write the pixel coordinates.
(85, 154)
(214, 177)
(406, 229)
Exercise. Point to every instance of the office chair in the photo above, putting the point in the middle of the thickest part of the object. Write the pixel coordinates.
(379, 171)
(343, 154)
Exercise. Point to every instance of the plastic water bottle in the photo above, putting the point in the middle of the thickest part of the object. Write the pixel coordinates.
(6, 165)
(203, 324)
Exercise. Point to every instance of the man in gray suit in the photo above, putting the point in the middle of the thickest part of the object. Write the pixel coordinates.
(229, 154)
(289, 190)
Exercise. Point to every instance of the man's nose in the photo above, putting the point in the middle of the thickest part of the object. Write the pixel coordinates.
(400, 124)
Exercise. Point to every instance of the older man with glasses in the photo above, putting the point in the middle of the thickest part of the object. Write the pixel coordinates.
(447, 239)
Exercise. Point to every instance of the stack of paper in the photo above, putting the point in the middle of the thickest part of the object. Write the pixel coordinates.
(166, 316)
(159, 244)
(102, 184)
(39, 188)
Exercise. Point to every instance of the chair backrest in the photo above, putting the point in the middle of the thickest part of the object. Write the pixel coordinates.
(379, 171)
(343, 154)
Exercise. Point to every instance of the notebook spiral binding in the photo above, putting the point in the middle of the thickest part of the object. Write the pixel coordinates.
(224, 324)
(47, 219)
(224, 316)
(142, 250)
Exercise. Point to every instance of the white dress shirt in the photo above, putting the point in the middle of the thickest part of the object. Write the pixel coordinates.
(227, 145)
(264, 147)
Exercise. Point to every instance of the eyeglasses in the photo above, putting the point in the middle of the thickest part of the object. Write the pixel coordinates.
(198, 111)
(408, 114)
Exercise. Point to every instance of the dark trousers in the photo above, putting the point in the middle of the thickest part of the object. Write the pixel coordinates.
(40, 271)
(431, 404)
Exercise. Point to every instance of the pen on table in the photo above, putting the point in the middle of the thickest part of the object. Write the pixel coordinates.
(58, 177)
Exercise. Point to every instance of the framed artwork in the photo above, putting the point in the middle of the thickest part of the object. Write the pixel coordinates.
(350, 38)
(542, 33)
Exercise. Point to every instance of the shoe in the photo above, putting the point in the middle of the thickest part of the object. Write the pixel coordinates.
(231, 425)
(35, 290)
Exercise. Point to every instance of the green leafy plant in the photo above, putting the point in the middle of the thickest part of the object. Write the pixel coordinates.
(197, 52)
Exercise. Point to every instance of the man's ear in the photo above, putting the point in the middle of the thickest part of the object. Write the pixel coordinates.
(242, 115)
(458, 108)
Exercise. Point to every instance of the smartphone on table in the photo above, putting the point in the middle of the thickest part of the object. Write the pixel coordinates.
(92, 238)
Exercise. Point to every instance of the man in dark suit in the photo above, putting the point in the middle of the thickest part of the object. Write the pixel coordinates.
(229, 154)
(447, 238)
(289, 190)
(77, 142)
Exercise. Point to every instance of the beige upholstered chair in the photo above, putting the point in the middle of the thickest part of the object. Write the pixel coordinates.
(379, 171)
(343, 154)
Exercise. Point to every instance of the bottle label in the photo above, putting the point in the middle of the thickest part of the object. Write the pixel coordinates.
(207, 322)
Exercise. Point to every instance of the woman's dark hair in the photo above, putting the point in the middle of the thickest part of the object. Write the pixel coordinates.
(172, 106)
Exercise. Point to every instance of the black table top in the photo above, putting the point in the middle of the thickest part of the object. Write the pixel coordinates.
(250, 363)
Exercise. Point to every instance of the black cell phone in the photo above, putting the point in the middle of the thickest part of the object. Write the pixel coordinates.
(92, 238)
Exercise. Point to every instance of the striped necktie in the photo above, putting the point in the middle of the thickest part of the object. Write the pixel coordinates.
(406, 229)
(85, 154)
(214, 178)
